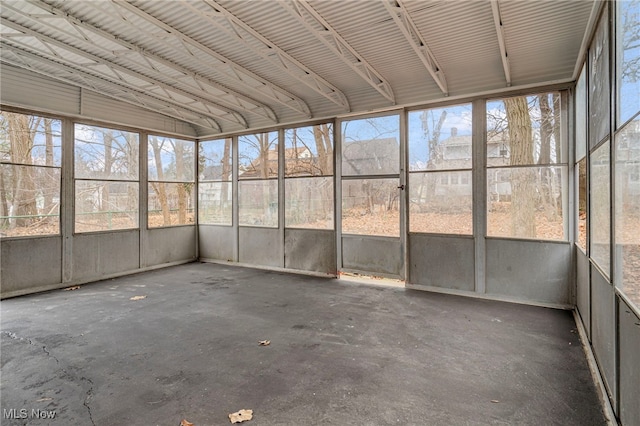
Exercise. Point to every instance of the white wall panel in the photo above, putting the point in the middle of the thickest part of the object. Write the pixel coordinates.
(29, 263)
(25, 89)
(103, 254)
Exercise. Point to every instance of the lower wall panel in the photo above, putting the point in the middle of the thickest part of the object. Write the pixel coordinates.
(376, 255)
(216, 242)
(583, 296)
(310, 250)
(438, 261)
(629, 325)
(167, 245)
(260, 246)
(30, 263)
(535, 271)
(103, 254)
(603, 327)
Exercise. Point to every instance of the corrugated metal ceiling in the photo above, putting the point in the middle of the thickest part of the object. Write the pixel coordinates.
(184, 54)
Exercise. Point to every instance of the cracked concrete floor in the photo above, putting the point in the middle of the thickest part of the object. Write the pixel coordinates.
(340, 353)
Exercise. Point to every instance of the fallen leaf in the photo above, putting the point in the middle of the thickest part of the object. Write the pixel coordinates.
(264, 342)
(184, 422)
(138, 297)
(495, 401)
(75, 287)
(241, 416)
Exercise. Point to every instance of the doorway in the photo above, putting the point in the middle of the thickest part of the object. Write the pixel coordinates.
(371, 199)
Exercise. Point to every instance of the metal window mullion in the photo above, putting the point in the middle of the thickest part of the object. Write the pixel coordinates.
(281, 196)
(337, 168)
(479, 185)
(361, 177)
(108, 180)
(143, 198)
(403, 202)
(67, 199)
(196, 200)
(415, 172)
(235, 218)
(9, 163)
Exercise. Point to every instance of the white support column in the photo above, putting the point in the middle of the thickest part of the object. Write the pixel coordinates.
(234, 197)
(479, 173)
(281, 194)
(67, 197)
(497, 20)
(143, 199)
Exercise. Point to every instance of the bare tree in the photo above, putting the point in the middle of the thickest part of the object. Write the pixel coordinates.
(522, 185)
(159, 187)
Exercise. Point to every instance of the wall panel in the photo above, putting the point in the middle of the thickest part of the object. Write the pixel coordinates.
(103, 254)
(364, 253)
(583, 298)
(216, 242)
(310, 250)
(27, 89)
(535, 271)
(438, 261)
(29, 263)
(603, 327)
(173, 244)
(260, 246)
(629, 366)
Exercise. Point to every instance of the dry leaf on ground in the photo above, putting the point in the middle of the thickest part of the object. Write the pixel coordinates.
(264, 342)
(241, 416)
(138, 297)
(185, 422)
(495, 401)
(75, 287)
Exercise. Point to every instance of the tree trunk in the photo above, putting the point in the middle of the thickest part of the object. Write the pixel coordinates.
(159, 187)
(21, 135)
(107, 139)
(547, 180)
(522, 180)
(178, 149)
(48, 138)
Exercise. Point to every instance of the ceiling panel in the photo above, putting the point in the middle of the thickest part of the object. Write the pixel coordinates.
(285, 67)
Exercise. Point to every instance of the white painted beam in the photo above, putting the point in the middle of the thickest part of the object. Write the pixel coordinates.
(497, 20)
(403, 20)
(215, 94)
(220, 63)
(324, 32)
(253, 40)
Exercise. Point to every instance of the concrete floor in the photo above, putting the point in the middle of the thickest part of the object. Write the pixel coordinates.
(340, 353)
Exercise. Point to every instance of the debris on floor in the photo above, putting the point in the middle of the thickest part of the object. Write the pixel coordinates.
(138, 297)
(241, 416)
(185, 422)
(264, 342)
(75, 287)
(495, 401)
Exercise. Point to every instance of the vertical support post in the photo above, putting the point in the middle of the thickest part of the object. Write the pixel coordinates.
(196, 189)
(281, 195)
(143, 198)
(403, 202)
(234, 199)
(479, 174)
(67, 195)
(569, 197)
(337, 131)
